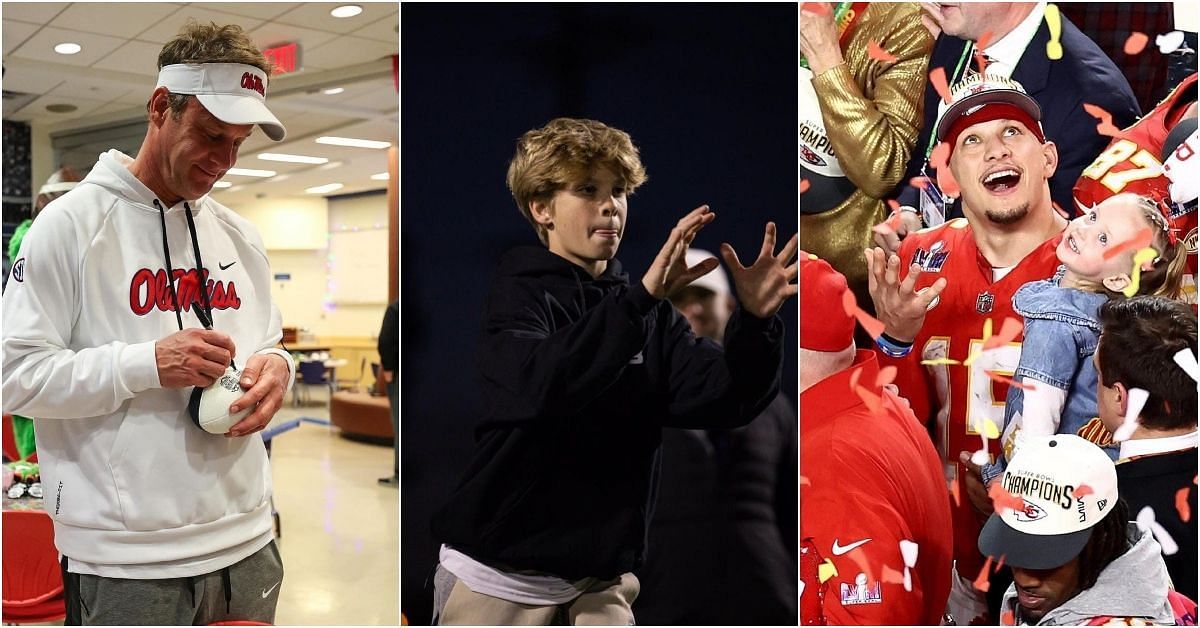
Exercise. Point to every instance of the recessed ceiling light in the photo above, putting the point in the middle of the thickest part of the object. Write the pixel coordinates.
(222, 184)
(321, 189)
(247, 172)
(349, 141)
(296, 159)
(346, 10)
(67, 48)
(382, 176)
(61, 108)
(333, 91)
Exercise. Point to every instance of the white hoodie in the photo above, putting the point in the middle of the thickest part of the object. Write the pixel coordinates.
(136, 490)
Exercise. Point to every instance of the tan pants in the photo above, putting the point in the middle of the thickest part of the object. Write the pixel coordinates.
(606, 603)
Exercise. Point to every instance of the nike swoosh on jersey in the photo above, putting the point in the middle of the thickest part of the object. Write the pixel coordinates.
(838, 550)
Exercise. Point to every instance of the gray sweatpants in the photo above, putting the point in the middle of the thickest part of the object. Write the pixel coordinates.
(246, 590)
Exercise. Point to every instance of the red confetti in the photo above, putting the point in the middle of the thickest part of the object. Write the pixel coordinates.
(1181, 504)
(1004, 500)
(981, 582)
(999, 564)
(1009, 330)
(854, 378)
(860, 559)
(981, 61)
(1007, 618)
(919, 182)
(873, 326)
(1136, 43)
(984, 41)
(849, 303)
(873, 402)
(1008, 380)
(1106, 126)
(891, 576)
(1139, 241)
(1060, 210)
(877, 53)
(940, 155)
(1083, 491)
(954, 492)
(805, 481)
(820, 8)
(886, 376)
(938, 78)
(947, 182)
(804, 185)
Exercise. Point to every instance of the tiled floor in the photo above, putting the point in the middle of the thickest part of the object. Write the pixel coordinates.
(340, 529)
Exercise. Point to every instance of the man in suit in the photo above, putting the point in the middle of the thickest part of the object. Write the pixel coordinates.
(1015, 36)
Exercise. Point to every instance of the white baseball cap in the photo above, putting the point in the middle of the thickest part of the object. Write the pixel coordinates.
(715, 280)
(1068, 485)
(234, 93)
(975, 91)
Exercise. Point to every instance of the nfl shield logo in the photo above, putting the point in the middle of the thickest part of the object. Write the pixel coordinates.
(985, 302)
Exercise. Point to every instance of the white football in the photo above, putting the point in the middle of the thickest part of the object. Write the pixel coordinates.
(213, 413)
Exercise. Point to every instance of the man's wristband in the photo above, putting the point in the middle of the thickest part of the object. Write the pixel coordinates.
(892, 347)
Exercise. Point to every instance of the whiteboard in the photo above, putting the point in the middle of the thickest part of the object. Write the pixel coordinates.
(360, 272)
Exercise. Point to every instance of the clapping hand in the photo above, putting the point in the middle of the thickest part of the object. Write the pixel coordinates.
(763, 286)
(669, 269)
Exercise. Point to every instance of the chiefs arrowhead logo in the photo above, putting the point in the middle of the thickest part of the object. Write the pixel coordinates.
(1032, 512)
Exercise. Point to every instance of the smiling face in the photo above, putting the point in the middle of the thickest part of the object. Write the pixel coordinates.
(1087, 238)
(1040, 591)
(1003, 171)
(197, 150)
(586, 219)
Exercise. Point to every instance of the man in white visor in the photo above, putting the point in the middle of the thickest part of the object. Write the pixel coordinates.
(131, 292)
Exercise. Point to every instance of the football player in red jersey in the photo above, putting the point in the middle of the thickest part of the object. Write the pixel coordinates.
(1132, 163)
(937, 296)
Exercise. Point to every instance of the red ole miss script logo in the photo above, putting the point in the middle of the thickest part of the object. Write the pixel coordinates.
(148, 291)
(251, 81)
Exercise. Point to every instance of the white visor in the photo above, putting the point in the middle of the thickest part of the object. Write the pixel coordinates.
(233, 92)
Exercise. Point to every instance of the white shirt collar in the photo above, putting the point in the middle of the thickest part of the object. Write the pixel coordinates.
(1150, 446)
(1006, 52)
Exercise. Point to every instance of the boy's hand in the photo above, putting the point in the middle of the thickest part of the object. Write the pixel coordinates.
(765, 285)
(669, 269)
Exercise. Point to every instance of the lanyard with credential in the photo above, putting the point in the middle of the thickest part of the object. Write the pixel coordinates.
(954, 78)
(844, 16)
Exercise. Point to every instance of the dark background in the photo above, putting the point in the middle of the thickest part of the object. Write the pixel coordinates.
(709, 95)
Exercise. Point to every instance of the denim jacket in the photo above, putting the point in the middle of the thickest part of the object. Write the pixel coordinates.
(1061, 334)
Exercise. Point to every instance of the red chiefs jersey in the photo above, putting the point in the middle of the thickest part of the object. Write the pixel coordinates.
(960, 399)
(1131, 164)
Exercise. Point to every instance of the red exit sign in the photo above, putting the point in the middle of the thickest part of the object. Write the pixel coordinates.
(284, 56)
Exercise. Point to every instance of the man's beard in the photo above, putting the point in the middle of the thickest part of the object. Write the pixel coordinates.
(1008, 217)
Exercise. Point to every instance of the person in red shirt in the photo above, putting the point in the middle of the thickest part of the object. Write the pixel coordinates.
(874, 513)
(950, 284)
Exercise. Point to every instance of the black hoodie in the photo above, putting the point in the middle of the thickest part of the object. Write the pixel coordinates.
(581, 375)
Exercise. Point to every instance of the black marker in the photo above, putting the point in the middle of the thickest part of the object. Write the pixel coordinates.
(202, 314)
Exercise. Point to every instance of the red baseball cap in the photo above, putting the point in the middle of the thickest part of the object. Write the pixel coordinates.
(824, 323)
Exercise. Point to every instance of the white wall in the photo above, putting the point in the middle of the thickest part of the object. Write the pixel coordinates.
(290, 224)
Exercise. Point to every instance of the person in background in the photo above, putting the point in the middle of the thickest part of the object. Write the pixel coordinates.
(389, 360)
(726, 507)
(859, 119)
(1157, 465)
(59, 183)
(873, 499)
(1076, 557)
(158, 521)
(1017, 35)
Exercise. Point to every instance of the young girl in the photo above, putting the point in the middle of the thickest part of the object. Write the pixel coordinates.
(1061, 327)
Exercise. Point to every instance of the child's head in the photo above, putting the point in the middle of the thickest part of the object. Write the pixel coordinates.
(563, 156)
(1119, 219)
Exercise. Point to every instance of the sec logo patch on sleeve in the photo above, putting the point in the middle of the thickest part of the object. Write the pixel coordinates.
(18, 270)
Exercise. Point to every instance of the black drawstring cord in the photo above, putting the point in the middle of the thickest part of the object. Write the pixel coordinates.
(228, 589)
(203, 281)
(162, 217)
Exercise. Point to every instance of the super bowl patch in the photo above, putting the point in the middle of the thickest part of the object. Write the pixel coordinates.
(861, 593)
(932, 260)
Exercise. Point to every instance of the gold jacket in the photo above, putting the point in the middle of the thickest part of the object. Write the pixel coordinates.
(872, 112)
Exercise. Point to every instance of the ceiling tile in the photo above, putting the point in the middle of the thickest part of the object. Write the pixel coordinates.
(261, 10)
(135, 57)
(90, 89)
(33, 12)
(168, 28)
(382, 30)
(41, 46)
(15, 34)
(30, 82)
(121, 19)
(37, 109)
(316, 15)
(346, 51)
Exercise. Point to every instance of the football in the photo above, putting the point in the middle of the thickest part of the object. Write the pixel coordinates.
(209, 407)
